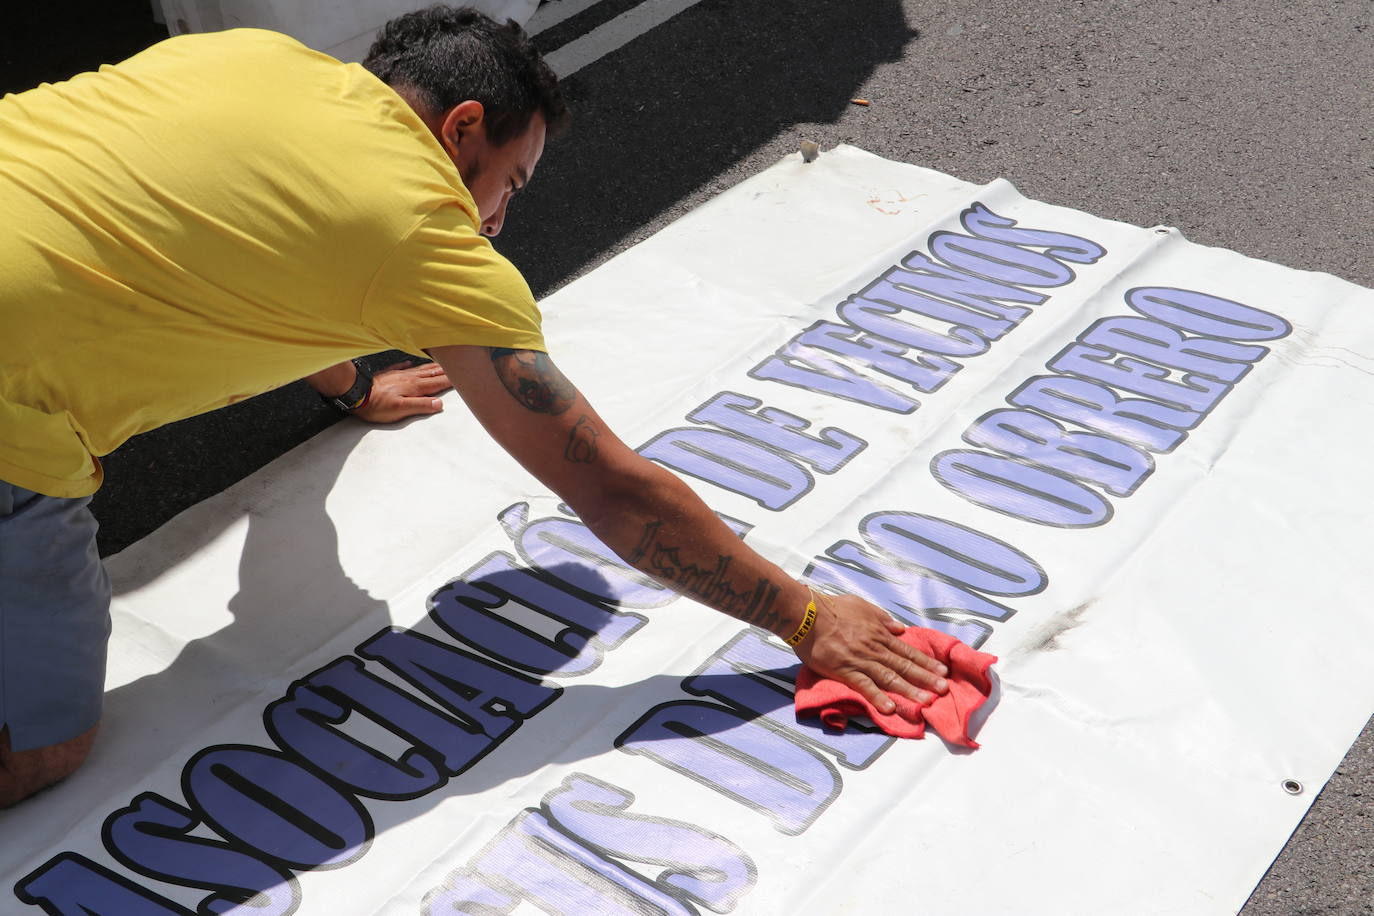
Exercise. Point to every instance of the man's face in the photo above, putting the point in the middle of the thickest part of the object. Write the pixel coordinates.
(492, 174)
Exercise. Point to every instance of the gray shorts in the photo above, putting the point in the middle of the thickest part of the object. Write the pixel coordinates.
(54, 618)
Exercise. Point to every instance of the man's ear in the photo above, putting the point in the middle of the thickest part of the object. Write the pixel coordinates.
(459, 122)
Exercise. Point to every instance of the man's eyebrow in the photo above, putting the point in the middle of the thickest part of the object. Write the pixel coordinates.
(523, 174)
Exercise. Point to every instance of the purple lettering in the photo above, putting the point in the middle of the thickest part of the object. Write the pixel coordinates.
(759, 676)
(999, 261)
(470, 609)
(733, 463)
(1165, 346)
(1144, 423)
(749, 761)
(72, 885)
(1126, 374)
(1025, 491)
(301, 723)
(811, 369)
(738, 413)
(1204, 314)
(272, 804)
(921, 371)
(700, 867)
(983, 223)
(153, 836)
(531, 860)
(1108, 463)
(489, 701)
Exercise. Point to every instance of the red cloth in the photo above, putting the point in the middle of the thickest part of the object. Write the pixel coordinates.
(969, 687)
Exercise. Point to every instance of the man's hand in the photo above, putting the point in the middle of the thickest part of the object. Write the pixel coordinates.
(856, 643)
(404, 390)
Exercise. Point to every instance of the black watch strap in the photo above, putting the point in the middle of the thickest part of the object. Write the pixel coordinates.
(356, 396)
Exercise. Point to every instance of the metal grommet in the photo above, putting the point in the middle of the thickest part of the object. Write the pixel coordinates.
(1292, 786)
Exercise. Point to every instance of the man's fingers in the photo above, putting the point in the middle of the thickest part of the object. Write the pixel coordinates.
(415, 387)
(908, 672)
(902, 677)
(412, 370)
(912, 674)
(871, 692)
(393, 409)
(419, 382)
(431, 384)
(919, 658)
(427, 370)
(426, 379)
(413, 406)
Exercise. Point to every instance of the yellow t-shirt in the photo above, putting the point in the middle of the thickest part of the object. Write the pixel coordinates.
(212, 218)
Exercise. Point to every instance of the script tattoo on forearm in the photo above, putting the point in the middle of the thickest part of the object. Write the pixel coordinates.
(709, 584)
(533, 380)
(581, 446)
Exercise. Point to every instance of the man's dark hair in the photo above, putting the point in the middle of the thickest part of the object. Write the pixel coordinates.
(447, 55)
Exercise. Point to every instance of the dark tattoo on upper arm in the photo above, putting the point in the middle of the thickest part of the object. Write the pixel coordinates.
(533, 380)
(711, 585)
(581, 446)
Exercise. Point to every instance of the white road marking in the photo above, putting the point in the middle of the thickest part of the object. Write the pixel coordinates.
(606, 38)
(550, 14)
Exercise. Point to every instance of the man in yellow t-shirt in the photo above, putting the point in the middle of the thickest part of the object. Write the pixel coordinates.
(224, 213)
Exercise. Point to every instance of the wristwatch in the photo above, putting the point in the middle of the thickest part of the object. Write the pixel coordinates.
(356, 396)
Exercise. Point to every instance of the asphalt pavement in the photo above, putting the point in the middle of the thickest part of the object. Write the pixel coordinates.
(1246, 124)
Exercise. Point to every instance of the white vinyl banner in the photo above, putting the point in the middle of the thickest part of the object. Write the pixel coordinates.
(390, 673)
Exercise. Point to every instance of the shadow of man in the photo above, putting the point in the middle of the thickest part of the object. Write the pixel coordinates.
(291, 592)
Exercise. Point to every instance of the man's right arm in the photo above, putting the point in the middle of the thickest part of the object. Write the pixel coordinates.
(657, 523)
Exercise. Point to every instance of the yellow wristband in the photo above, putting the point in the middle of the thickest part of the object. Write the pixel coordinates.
(807, 622)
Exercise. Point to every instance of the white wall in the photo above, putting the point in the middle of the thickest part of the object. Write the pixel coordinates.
(343, 28)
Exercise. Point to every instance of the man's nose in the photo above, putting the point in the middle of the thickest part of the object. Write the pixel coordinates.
(492, 227)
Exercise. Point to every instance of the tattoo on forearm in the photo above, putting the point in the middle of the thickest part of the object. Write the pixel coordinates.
(582, 441)
(533, 380)
(709, 584)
